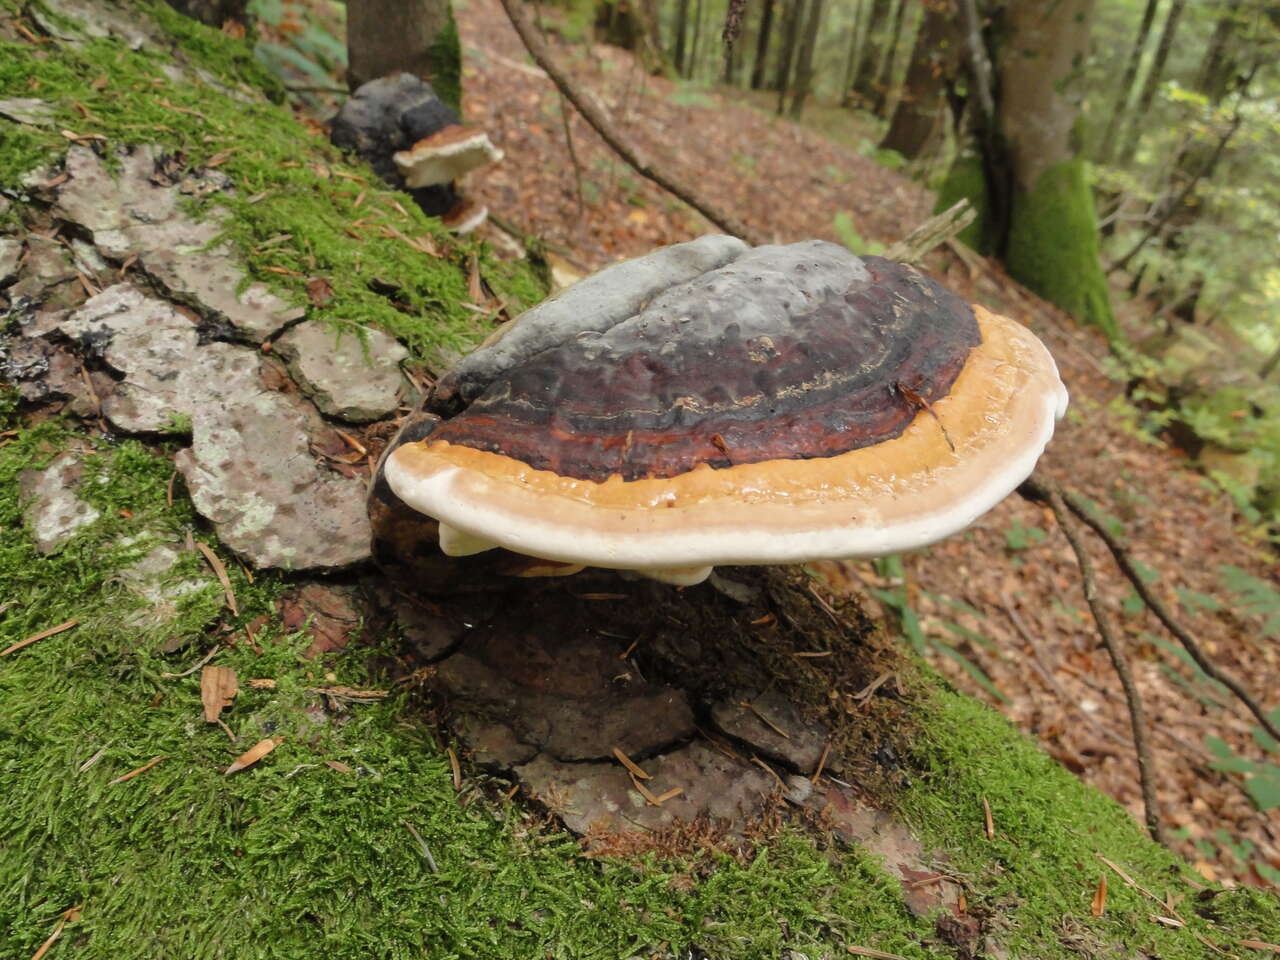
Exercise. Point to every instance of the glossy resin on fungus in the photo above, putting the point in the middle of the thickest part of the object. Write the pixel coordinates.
(717, 404)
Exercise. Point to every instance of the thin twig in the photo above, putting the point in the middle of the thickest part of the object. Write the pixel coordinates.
(1162, 613)
(595, 115)
(573, 155)
(1048, 492)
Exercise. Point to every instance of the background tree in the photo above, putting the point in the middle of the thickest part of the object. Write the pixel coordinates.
(863, 88)
(409, 36)
(884, 82)
(919, 115)
(1023, 171)
(804, 65)
(1152, 80)
(763, 36)
(1107, 145)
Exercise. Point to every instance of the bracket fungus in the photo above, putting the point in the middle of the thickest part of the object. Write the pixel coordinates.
(415, 142)
(712, 403)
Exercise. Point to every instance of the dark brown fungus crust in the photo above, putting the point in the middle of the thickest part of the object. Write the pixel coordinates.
(784, 353)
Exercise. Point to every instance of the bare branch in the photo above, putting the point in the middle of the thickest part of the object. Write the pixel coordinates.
(1048, 492)
(1164, 616)
(934, 232)
(595, 115)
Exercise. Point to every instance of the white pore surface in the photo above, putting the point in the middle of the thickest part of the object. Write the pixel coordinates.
(701, 542)
(426, 167)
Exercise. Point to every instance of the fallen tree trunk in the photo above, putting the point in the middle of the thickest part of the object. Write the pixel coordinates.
(180, 301)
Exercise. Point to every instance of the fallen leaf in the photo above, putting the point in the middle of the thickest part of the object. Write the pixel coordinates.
(253, 754)
(988, 825)
(221, 572)
(350, 693)
(338, 765)
(262, 683)
(39, 636)
(135, 772)
(218, 687)
(876, 954)
(1259, 945)
(630, 764)
(1100, 897)
(319, 290)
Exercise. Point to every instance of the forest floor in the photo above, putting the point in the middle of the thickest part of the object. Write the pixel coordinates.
(1002, 613)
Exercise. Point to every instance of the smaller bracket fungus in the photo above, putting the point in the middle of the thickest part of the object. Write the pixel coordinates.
(445, 156)
(712, 404)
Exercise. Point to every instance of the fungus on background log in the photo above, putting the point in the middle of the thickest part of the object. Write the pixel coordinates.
(416, 143)
(712, 404)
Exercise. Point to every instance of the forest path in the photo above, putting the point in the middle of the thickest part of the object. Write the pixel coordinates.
(1024, 621)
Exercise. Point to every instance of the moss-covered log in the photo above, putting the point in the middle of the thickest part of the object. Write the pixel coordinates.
(359, 834)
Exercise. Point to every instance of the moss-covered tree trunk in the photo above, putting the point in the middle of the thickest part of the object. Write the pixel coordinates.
(380, 818)
(1022, 169)
(405, 36)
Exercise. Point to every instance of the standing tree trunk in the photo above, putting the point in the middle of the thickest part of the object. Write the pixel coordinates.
(1052, 240)
(804, 68)
(880, 102)
(851, 62)
(405, 36)
(682, 34)
(762, 44)
(790, 33)
(935, 62)
(1125, 94)
(862, 91)
(1130, 143)
(696, 46)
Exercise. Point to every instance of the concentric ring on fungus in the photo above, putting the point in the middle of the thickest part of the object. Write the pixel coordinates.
(781, 404)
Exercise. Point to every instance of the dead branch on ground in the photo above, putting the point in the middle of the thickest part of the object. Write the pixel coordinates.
(934, 232)
(603, 124)
(1125, 563)
(1048, 492)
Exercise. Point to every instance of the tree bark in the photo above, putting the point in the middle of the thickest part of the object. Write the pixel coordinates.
(804, 68)
(405, 36)
(682, 33)
(1147, 96)
(863, 88)
(696, 46)
(935, 63)
(762, 44)
(1050, 241)
(791, 30)
(851, 62)
(884, 84)
(1125, 94)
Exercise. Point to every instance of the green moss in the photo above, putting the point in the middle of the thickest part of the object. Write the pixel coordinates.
(965, 181)
(445, 55)
(1041, 870)
(1053, 245)
(368, 242)
(293, 858)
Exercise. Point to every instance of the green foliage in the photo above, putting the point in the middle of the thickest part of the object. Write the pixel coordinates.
(848, 234)
(445, 54)
(965, 180)
(1018, 537)
(897, 601)
(1253, 597)
(1261, 779)
(279, 169)
(1053, 246)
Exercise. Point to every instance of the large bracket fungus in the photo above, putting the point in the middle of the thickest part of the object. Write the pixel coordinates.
(712, 404)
